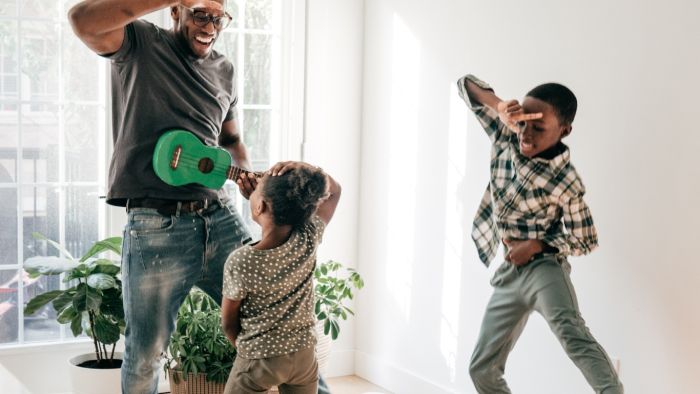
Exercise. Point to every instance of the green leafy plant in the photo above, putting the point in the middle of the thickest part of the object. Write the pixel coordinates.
(334, 285)
(92, 300)
(198, 343)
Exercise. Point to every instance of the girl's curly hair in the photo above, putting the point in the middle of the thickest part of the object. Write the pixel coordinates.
(295, 195)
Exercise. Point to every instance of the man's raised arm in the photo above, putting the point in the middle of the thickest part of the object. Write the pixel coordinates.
(100, 23)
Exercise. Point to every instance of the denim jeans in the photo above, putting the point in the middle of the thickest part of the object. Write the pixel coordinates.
(162, 258)
(543, 286)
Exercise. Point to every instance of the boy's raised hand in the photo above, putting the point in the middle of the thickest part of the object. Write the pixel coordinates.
(520, 251)
(511, 113)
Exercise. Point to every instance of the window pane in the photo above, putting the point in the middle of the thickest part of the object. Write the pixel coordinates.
(81, 153)
(40, 137)
(258, 14)
(39, 61)
(42, 325)
(8, 7)
(8, 306)
(9, 140)
(40, 8)
(256, 136)
(257, 69)
(80, 70)
(227, 44)
(82, 218)
(232, 9)
(9, 76)
(40, 214)
(8, 225)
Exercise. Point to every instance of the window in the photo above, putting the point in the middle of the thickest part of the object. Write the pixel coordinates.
(55, 135)
(253, 44)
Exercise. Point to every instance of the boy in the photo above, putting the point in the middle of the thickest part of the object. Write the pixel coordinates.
(532, 190)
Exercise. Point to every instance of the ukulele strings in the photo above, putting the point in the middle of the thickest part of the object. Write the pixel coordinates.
(193, 162)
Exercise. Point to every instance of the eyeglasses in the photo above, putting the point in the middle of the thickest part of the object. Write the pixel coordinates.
(202, 18)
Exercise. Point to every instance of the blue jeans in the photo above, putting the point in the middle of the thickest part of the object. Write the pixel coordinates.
(162, 258)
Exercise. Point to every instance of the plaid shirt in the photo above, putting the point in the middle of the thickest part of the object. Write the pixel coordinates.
(528, 198)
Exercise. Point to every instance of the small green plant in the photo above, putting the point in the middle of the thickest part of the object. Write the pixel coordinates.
(334, 285)
(92, 300)
(198, 343)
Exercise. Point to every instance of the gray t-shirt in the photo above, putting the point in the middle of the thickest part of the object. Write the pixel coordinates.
(276, 289)
(158, 85)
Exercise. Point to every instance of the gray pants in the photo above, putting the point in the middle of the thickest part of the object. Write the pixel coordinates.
(544, 286)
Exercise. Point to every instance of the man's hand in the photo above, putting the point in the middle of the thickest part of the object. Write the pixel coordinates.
(247, 182)
(285, 166)
(520, 252)
(511, 113)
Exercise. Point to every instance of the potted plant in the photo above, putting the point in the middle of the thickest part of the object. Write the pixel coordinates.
(91, 303)
(334, 285)
(200, 356)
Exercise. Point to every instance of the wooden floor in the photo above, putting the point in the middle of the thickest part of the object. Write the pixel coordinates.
(350, 385)
(353, 385)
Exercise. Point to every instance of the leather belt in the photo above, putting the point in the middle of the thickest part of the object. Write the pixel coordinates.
(169, 207)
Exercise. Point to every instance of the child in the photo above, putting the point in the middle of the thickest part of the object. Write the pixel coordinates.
(267, 308)
(533, 189)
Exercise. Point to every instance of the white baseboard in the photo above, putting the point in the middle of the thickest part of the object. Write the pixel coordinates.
(394, 378)
(341, 363)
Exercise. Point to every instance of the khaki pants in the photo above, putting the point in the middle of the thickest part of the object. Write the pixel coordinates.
(293, 373)
(543, 286)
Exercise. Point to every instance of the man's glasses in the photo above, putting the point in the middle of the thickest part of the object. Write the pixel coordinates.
(202, 18)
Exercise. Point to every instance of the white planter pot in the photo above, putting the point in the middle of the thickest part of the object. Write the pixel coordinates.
(91, 381)
(323, 348)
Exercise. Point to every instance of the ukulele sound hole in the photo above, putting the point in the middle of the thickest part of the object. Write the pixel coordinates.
(206, 165)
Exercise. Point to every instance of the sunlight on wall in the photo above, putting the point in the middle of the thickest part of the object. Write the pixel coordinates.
(403, 158)
(454, 239)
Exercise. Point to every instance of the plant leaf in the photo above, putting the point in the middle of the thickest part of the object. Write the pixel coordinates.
(49, 265)
(113, 244)
(55, 244)
(76, 325)
(64, 299)
(105, 331)
(335, 330)
(86, 298)
(67, 315)
(112, 303)
(101, 281)
(40, 300)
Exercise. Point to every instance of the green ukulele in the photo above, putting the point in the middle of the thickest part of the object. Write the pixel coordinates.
(181, 158)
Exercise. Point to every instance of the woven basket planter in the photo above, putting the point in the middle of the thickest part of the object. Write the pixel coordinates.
(195, 384)
(323, 348)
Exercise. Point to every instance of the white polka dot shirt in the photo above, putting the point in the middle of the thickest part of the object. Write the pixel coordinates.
(276, 289)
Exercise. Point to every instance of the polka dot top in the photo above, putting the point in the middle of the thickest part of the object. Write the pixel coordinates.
(276, 289)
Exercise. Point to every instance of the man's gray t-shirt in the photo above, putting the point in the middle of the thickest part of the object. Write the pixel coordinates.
(158, 85)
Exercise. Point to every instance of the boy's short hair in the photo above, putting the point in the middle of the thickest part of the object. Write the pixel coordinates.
(558, 96)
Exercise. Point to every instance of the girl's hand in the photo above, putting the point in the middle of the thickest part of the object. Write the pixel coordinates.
(511, 113)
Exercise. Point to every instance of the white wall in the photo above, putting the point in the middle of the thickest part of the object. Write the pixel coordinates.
(634, 68)
(333, 124)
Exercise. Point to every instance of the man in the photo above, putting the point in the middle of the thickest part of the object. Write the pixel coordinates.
(176, 237)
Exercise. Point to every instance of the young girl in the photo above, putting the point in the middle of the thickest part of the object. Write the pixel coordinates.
(267, 308)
